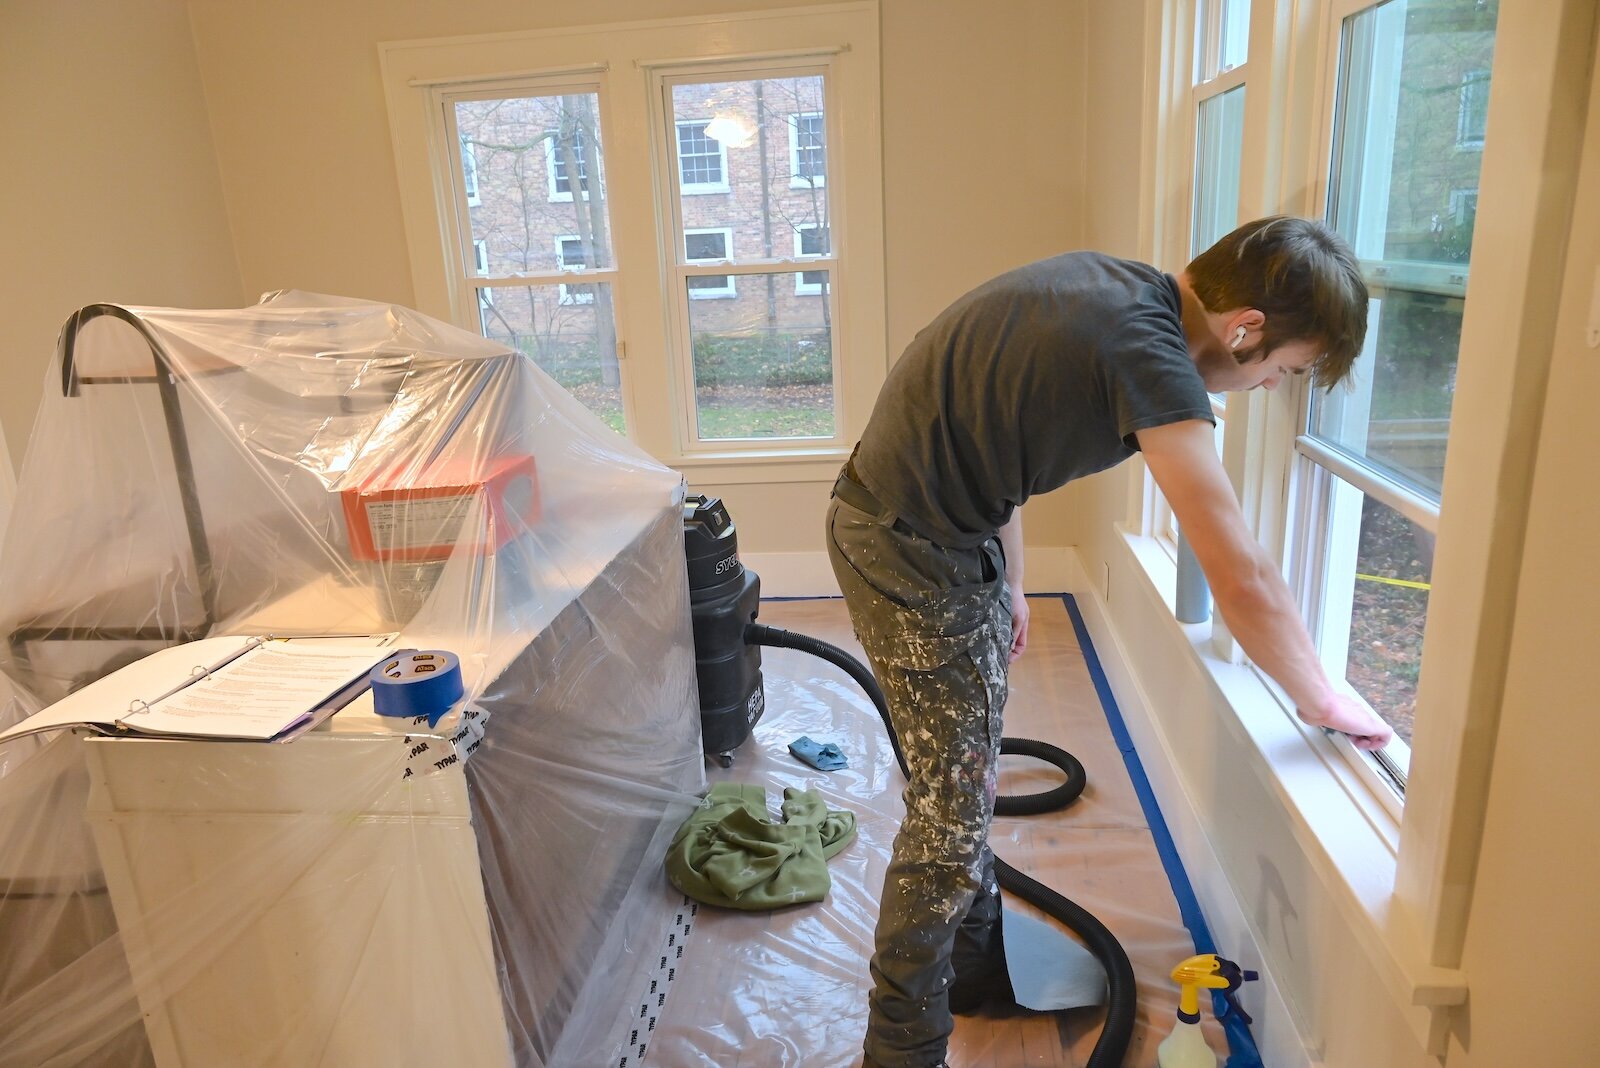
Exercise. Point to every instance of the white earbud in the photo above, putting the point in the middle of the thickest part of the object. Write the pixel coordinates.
(1238, 338)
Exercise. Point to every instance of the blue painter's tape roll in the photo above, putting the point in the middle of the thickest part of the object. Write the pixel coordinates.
(417, 684)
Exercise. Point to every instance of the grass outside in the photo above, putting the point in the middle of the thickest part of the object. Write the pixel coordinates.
(747, 386)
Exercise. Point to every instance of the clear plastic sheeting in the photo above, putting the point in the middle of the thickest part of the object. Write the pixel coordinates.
(788, 989)
(311, 467)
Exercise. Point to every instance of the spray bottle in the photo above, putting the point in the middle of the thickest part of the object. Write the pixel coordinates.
(1186, 1047)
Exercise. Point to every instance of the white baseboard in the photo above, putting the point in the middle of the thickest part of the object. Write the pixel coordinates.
(793, 574)
(1274, 1030)
(1051, 569)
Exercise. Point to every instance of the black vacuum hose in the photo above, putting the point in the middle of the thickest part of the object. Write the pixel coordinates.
(1121, 997)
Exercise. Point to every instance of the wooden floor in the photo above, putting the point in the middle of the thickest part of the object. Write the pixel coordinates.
(788, 989)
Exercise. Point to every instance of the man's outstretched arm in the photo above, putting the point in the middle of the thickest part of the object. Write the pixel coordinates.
(1249, 592)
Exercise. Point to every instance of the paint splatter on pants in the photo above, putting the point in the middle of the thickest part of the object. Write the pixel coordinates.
(936, 626)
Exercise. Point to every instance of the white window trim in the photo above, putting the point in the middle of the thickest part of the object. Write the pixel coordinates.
(796, 181)
(802, 288)
(418, 75)
(691, 189)
(724, 292)
(1412, 921)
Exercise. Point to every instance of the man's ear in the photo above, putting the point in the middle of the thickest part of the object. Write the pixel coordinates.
(1252, 319)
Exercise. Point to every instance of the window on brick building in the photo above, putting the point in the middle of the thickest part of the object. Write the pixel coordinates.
(709, 246)
(565, 151)
(569, 251)
(702, 159)
(808, 161)
(810, 241)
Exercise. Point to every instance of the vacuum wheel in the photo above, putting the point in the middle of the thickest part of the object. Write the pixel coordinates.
(724, 760)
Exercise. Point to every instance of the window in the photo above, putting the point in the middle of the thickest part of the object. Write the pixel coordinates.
(1472, 114)
(480, 263)
(569, 251)
(810, 241)
(1216, 111)
(565, 151)
(525, 209)
(469, 171)
(702, 159)
(764, 367)
(1370, 460)
(709, 246)
(640, 220)
(808, 164)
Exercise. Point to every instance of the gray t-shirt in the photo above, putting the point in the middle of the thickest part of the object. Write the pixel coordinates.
(1031, 380)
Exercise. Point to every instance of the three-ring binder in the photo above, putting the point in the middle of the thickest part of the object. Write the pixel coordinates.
(139, 706)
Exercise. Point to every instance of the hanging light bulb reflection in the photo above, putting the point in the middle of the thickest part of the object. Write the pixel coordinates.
(732, 129)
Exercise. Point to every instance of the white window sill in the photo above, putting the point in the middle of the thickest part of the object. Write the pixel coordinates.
(1346, 834)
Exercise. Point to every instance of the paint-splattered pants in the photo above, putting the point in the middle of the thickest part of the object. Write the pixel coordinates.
(936, 625)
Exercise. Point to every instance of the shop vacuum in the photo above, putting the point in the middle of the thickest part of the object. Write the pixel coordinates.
(724, 599)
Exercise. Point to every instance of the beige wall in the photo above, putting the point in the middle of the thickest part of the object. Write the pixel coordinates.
(110, 192)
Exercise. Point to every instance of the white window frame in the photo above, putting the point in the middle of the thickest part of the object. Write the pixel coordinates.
(571, 296)
(732, 287)
(556, 196)
(802, 288)
(618, 61)
(699, 188)
(796, 180)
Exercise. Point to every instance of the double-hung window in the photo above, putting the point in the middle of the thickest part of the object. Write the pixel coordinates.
(763, 368)
(534, 146)
(1404, 113)
(1215, 121)
(1370, 458)
(726, 224)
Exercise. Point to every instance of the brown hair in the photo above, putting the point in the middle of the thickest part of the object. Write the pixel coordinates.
(1302, 276)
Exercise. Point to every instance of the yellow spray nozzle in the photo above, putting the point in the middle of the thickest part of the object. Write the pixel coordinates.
(1204, 970)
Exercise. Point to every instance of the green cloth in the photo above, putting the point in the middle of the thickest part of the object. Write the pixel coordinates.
(730, 854)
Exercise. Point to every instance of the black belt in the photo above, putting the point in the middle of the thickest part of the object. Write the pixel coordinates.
(848, 488)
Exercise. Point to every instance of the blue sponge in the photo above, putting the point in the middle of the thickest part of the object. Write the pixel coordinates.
(824, 756)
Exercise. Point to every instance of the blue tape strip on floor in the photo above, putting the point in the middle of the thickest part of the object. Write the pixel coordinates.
(1241, 1043)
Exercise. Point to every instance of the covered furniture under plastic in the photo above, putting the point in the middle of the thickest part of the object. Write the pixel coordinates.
(372, 892)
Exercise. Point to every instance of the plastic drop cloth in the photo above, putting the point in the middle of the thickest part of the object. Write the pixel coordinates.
(318, 466)
(788, 989)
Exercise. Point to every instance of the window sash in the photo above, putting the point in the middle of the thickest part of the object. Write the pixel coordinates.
(664, 79)
(698, 159)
